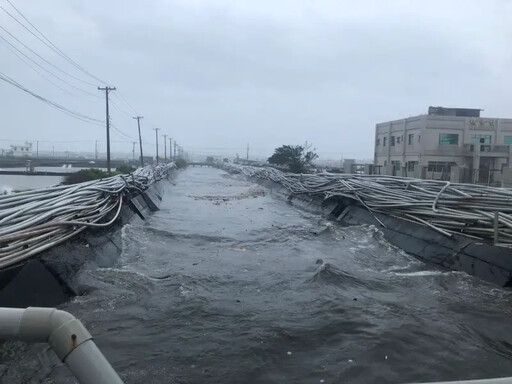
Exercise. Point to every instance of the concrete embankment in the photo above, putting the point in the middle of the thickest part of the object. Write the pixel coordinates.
(458, 252)
(50, 277)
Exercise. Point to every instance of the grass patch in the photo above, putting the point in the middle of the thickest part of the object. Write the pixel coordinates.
(94, 174)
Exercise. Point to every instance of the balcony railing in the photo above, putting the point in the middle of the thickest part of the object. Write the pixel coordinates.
(488, 148)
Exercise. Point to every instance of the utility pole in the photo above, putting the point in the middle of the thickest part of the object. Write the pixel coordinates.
(175, 144)
(156, 136)
(170, 149)
(133, 149)
(37, 149)
(140, 140)
(107, 89)
(53, 150)
(165, 147)
(247, 151)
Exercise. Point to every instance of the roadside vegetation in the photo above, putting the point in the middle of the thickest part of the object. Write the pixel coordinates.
(94, 174)
(294, 158)
(181, 163)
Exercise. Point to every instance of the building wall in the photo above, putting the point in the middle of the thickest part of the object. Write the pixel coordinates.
(21, 150)
(427, 144)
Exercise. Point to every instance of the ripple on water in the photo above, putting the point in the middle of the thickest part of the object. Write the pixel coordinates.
(254, 290)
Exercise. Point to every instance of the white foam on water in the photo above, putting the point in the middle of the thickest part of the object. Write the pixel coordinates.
(5, 190)
(420, 273)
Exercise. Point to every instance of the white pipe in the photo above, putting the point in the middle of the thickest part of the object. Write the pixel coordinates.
(503, 380)
(10, 319)
(88, 355)
(69, 339)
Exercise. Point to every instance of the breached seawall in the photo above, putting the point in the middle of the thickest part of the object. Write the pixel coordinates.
(478, 257)
(50, 277)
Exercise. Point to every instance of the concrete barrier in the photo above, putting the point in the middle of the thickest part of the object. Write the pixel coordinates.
(50, 278)
(486, 261)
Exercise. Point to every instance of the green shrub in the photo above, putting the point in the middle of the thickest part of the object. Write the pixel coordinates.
(181, 163)
(124, 169)
(84, 175)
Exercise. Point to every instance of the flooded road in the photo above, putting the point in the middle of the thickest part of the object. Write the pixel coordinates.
(230, 284)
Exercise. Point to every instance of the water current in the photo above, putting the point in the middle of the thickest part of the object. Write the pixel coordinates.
(228, 283)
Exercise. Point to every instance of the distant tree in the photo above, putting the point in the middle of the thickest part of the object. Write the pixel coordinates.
(181, 163)
(85, 175)
(296, 157)
(124, 169)
(209, 160)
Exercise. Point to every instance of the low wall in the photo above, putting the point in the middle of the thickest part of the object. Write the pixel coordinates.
(50, 278)
(486, 261)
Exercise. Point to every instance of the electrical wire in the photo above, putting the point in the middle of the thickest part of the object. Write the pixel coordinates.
(118, 108)
(123, 99)
(121, 132)
(42, 58)
(65, 110)
(44, 77)
(46, 70)
(55, 48)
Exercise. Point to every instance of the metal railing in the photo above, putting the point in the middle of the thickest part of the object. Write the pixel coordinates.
(68, 338)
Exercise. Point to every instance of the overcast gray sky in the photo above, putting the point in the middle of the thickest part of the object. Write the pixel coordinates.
(218, 74)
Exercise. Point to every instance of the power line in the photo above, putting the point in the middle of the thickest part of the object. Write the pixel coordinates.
(45, 69)
(127, 103)
(116, 106)
(43, 76)
(121, 132)
(48, 43)
(42, 58)
(74, 114)
(56, 49)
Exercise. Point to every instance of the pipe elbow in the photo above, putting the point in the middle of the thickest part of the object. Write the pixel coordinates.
(59, 328)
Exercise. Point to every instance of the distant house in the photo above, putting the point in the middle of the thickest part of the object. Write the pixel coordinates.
(24, 150)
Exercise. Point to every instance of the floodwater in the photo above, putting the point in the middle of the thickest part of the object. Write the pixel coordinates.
(9, 183)
(230, 284)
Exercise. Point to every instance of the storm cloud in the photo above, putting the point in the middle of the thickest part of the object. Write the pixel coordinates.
(217, 75)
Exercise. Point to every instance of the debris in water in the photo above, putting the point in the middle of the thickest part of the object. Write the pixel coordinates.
(289, 353)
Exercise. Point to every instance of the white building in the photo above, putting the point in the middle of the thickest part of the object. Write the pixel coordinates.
(24, 150)
(448, 143)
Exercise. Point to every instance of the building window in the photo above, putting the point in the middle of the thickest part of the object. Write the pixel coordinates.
(481, 139)
(399, 139)
(448, 139)
(384, 141)
(508, 139)
(392, 141)
(419, 138)
(385, 162)
(440, 166)
(396, 165)
(411, 166)
(377, 142)
(410, 139)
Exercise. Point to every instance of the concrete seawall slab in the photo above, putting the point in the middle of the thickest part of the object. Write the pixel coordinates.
(459, 253)
(50, 278)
